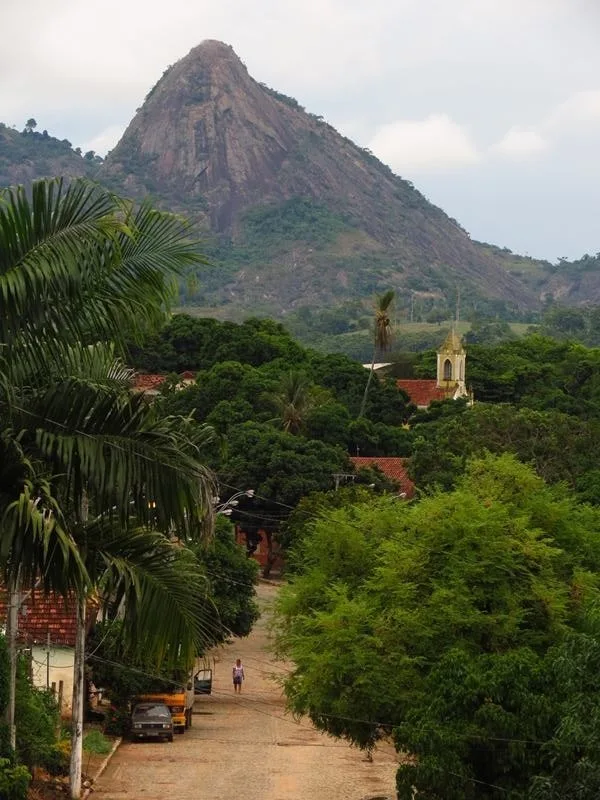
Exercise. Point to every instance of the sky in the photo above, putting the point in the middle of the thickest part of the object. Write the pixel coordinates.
(490, 107)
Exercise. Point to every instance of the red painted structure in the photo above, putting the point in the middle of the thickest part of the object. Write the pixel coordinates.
(393, 468)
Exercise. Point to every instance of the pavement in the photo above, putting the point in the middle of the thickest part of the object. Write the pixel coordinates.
(246, 746)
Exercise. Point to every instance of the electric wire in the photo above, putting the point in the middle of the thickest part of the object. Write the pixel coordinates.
(373, 723)
(175, 468)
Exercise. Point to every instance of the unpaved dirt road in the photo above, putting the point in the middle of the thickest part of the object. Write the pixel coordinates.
(245, 746)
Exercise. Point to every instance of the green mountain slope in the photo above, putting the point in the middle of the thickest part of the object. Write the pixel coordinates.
(293, 214)
(27, 155)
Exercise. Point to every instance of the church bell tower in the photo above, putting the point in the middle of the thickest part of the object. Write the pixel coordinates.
(451, 358)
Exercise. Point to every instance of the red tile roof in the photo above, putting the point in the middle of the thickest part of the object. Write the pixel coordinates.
(144, 382)
(392, 467)
(42, 617)
(421, 392)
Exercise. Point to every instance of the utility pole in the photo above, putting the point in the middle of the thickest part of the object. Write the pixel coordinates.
(48, 662)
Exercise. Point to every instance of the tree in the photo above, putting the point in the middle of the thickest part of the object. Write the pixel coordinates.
(281, 468)
(231, 577)
(382, 338)
(80, 271)
(559, 446)
(30, 125)
(458, 618)
(294, 401)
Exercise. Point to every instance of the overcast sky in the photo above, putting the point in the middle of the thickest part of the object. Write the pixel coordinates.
(490, 107)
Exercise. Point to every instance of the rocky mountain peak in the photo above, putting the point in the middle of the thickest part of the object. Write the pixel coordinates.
(273, 180)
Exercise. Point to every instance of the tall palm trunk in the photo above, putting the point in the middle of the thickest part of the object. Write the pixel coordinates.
(14, 603)
(79, 675)
(363, 405)
(382, 337)
(77, 704)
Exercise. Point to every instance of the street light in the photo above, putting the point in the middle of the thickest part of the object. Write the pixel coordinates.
(227, 507)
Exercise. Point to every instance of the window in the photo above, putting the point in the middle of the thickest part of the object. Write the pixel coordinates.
(447, 370)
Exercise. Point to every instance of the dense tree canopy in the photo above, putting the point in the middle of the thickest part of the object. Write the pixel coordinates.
(561, 447)
(451, 623)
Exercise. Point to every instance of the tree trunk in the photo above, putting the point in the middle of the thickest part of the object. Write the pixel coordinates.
(270, 560)
(363, 405)
(12, 624)
(77, 706)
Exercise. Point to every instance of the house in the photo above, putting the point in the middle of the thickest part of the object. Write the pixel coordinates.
(150, 384)
(450, 381)
(260, 545)
(46, 631)
(392, 467)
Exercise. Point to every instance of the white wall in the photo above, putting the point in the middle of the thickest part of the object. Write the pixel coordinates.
(61, 661)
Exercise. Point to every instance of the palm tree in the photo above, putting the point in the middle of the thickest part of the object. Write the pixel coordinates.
(113, 455)
(382, 337)
(80, 272)
(293, 401)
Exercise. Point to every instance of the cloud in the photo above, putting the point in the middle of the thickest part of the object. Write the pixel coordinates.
(434, 144)
(579, 111)
(381, 71)
(521, 144)
(105, 140)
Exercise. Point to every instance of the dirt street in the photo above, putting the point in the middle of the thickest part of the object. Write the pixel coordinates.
(245, 746)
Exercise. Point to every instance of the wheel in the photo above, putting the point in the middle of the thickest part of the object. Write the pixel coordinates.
(170, 737)
(190, 713)
(180, 729)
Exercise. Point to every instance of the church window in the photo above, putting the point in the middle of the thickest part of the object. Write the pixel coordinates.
(447, 370)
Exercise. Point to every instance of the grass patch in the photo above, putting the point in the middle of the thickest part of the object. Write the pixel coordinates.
(96, 742)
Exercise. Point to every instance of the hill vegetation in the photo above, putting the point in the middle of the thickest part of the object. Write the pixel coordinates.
(293, 214)
(29, 154)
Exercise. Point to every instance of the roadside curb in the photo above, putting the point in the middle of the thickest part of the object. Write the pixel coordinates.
(101, 768)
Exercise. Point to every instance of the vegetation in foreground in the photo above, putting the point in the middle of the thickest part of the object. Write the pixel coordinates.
(464, 626)
(94, 482)
(467, 617)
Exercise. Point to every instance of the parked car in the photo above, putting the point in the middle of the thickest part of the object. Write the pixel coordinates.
(151, 721)
(203, 681)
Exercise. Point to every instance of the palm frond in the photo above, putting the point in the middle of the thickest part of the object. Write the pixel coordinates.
(33, 541)
(159, 588)
(44, 241)
(118, 446)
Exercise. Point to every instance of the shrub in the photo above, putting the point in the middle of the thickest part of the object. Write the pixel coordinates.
(14, 781)
(38, 723)
(58, 757)
(118, 721)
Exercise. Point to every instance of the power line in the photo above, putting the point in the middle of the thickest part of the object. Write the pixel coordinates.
(175, 468)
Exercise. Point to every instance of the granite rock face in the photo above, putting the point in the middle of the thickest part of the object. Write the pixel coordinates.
(213, 142)
(293, 213)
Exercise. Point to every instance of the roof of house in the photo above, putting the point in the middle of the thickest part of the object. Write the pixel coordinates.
(147, 382)
(144, 382)
(391, 466)
(421, 392)
(44, 617)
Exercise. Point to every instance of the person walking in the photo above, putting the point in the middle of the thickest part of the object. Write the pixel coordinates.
(238, 676)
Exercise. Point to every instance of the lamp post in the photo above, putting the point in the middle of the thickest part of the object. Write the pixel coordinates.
(227, 507)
